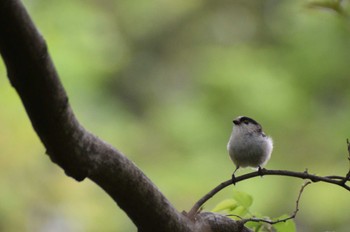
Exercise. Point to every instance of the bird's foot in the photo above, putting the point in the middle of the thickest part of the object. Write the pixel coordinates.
(233, 175)
(233, 179)
(261, 171)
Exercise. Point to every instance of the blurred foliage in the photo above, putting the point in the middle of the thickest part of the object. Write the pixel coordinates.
(238, 207)
(161, 81)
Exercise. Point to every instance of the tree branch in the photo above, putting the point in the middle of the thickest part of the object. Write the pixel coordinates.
(78, 152)
(336, 180)
(219, 223)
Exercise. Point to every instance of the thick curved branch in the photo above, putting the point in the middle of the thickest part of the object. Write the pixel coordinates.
(337, 180)
(212, 222)
(78, 152)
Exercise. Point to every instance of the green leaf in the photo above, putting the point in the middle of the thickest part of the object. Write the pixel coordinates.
(256, 226)
(287, 226)
(243, 199)
(227, 204)
(240, 211)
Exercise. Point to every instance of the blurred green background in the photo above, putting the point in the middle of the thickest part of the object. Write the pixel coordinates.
(162, 80)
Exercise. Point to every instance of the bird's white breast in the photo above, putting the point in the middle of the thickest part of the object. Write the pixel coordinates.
(249, 148)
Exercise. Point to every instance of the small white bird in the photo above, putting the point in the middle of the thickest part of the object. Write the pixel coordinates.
(248, 145)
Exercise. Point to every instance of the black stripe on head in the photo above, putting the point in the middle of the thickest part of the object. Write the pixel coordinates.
(247, 119)
(244, 119)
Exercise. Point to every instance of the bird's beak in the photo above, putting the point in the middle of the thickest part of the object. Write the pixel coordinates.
(236, 122)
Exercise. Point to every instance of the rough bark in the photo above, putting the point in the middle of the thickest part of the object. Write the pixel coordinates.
(80, 153)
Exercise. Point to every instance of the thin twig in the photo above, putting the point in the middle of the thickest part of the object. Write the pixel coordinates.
(336, 180)
(279, 220)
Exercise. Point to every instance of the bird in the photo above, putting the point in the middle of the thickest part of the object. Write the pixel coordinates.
(248, 145)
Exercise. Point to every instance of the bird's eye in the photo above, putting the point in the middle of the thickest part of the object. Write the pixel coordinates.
(246, 122)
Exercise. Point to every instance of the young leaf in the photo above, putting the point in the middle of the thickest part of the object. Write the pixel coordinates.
(256, 226)
(287, 226)
(227, 204)
(240, 211)
(243, 199)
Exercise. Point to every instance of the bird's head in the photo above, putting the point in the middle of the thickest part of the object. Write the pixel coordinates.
(248, 124)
